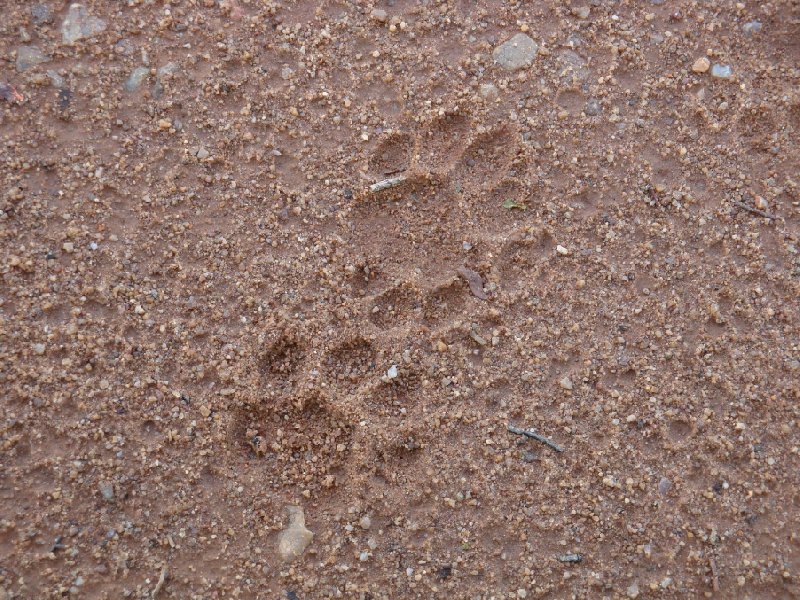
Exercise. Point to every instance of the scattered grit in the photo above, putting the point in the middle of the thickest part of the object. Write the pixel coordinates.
(230, 370)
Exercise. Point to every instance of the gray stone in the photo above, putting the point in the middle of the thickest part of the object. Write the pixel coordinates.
(574, 40)
(30, 56)
(163, 73)
(168, 69)
(572, 68)
(79, 24)
(56, 79)
(488, 91)
(721, 71)
(41, 14)
(137, 78)
(517, 53)
(124, 46)
(582, 12)
(752, 27)
(107, 490)
(664, 486)
(593, 108)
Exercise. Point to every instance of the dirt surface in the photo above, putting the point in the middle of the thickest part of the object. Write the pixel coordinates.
(208, 318)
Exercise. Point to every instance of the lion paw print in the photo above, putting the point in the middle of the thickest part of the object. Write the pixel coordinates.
(449, 150)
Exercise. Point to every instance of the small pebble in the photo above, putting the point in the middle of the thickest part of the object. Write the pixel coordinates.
(516, 53)
(28, 57)
(582, 12)
(106, 489)
(380, 15)
(41, 14)
(721, 71)
(565, 383)
(365, 522)
(294, 540)
(79, 24)
(752, 27)
(55, 79)
(137, 77)
(488, 91)
(633, 590)
(392, 372)
(593, 108)
(701, 65)
(664, 486)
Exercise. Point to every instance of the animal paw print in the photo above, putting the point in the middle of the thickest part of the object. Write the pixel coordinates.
(279, 358)
(395, 306)
(447, 151)
(486, 160)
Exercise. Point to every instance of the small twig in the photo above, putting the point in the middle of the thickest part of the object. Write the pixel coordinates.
(753, 210)
(714, 574)
(387, 183)
(161, 581)
(535, 436)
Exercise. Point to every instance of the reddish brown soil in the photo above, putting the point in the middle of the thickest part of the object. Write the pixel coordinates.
(201, 299)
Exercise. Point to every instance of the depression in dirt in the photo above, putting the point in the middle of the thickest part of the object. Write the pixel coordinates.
(399, 299)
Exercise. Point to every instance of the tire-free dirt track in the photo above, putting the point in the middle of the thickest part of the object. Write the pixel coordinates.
(206, 317)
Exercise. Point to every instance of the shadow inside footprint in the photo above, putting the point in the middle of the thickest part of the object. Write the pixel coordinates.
(487, 159)
(391, 156)
(441, 143)
(280, 359)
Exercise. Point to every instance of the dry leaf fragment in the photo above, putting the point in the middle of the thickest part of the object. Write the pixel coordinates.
(475, 282)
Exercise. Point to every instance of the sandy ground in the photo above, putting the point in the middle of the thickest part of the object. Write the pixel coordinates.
(208, 318)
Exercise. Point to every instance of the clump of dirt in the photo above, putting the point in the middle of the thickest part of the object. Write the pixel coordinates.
(212, 318)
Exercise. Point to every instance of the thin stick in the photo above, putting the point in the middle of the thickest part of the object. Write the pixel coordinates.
(387, 183)
(162, 579)
(753, 210)
(535, 436)
(714, 574)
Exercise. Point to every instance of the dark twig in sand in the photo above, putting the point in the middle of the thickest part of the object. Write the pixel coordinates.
(753, 210)
(535, 436)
